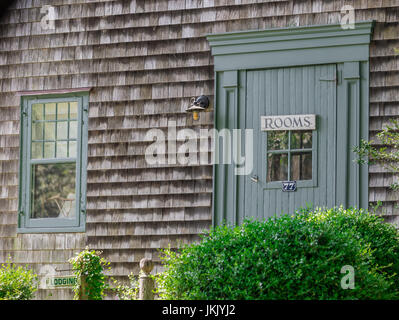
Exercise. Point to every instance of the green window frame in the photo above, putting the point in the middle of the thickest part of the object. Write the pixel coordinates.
(53, 161)
(289, 150)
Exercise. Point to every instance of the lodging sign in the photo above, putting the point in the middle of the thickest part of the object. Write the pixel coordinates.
(61, 282)
(288, 122)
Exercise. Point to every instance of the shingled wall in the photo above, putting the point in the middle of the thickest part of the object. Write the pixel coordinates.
(144, 61)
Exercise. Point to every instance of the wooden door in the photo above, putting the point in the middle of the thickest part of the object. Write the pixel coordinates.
(307, 157)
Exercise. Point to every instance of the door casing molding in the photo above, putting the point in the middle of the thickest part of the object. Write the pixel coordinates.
(284, 47)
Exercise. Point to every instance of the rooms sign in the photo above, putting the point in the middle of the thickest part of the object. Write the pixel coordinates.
(288, 122)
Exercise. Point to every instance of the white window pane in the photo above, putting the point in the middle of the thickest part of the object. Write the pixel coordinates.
(50, 111)
(37, 148)
(73, 130)
(62, 130)
(62, 149)
(37, 112)
(49, 150)
(72, 149)
(49, 130)
(37, 131)
(73, 110)
(62, 111)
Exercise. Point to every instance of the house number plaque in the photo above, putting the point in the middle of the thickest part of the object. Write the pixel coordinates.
(289, 186)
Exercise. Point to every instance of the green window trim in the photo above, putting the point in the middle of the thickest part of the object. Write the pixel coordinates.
(60, 139)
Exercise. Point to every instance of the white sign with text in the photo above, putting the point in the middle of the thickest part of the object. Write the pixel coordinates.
(288, 122)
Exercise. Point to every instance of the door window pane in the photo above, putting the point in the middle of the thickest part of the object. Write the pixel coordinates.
(301, 140)
(289, 149)
(53, 190)
(277, 167)
(277, 140)
(301, 166)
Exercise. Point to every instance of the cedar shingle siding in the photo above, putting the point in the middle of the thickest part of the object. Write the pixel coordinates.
(144, 61)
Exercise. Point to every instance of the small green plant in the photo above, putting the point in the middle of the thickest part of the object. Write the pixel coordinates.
(89, 267)
(127, 292)
(374, 206)
(17, 283)
(288, 257)
(386, 154)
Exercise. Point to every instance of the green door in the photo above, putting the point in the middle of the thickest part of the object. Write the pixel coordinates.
(296, 166)
(314, 73)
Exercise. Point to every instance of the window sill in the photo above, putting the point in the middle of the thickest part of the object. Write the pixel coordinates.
(51, 230)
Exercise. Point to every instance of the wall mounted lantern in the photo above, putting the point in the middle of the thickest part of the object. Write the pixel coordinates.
(197, 105)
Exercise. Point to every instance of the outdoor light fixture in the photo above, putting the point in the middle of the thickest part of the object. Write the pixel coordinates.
(197, 105)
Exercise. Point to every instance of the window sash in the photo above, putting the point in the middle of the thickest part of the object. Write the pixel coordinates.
(289, 151)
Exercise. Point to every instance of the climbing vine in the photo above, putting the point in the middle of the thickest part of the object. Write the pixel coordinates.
(89, 268)
(127, 292)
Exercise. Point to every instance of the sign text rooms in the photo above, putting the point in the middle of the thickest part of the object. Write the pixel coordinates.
(288, 122)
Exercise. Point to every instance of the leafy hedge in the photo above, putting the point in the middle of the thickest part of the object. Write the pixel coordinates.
(17, 283)
(288, 257)
(382, 238)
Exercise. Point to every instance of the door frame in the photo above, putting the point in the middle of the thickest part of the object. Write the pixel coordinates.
(236, 52)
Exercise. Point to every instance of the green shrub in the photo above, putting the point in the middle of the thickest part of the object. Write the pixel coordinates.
(17, 283)
(287, 257)
(383, 238)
